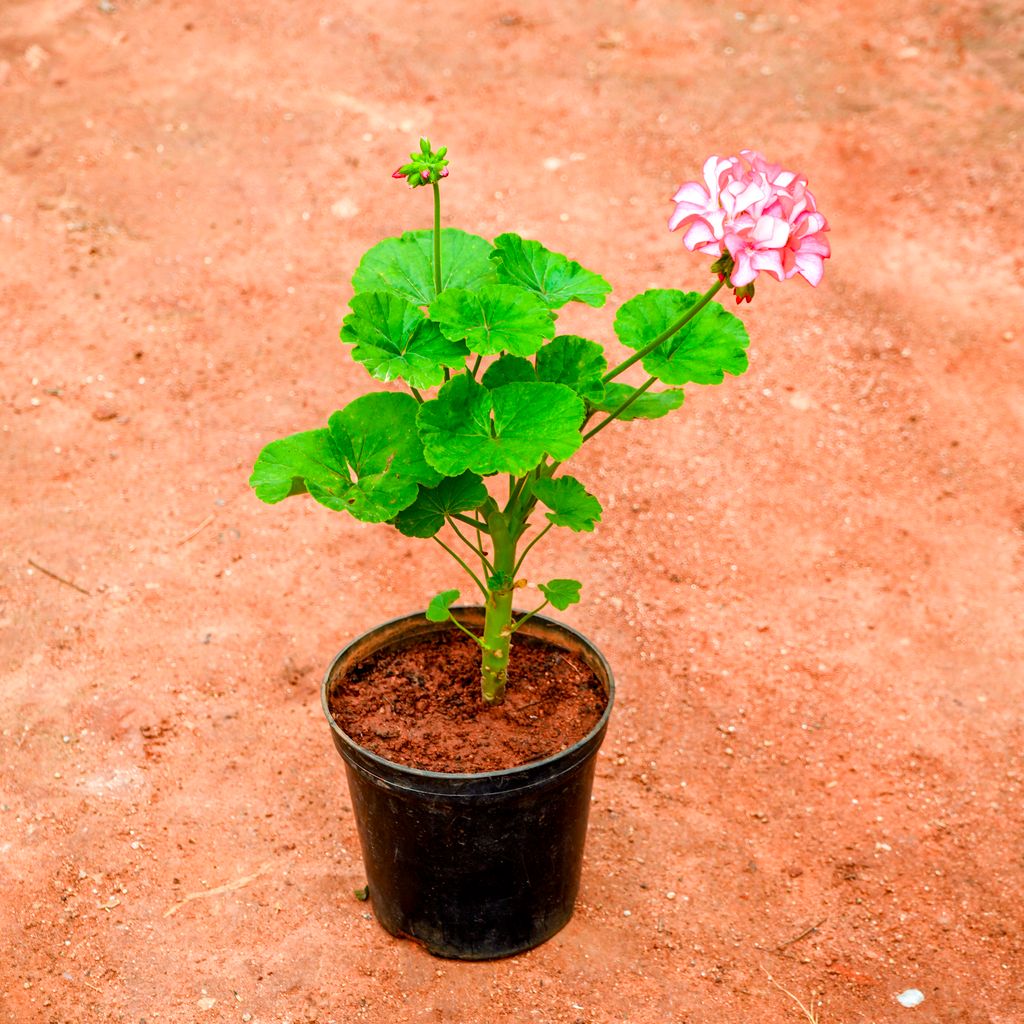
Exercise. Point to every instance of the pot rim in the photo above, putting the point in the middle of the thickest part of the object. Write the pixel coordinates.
(595, 734)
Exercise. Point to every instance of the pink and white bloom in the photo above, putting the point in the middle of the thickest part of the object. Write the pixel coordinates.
(763, 216)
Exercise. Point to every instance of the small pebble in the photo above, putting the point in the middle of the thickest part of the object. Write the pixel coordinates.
(912, 997)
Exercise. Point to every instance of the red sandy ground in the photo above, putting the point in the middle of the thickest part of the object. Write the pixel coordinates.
(808, 580)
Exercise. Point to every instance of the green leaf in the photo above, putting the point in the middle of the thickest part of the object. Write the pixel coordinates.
(570, 503)
(393, 339)
(438, 609)
(426, 515)
(568, 359)
(651, 405)
(406, 265)
(283, 466)
(575, 362)
(561, 593)
(554, 277)
(369, 461)
(710, 345)
(495, 318)
(508, 370)
(507, 430)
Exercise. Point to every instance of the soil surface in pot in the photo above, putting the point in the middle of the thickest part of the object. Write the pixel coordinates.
(419, 704)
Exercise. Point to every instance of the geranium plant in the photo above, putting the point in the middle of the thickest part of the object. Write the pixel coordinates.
(472, 455)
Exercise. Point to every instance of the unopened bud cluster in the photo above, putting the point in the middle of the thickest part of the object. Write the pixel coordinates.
(425, 167)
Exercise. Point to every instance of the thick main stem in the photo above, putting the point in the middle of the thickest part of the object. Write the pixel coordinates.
(498, 612)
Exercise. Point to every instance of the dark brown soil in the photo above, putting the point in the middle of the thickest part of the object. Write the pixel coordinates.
(420, 705)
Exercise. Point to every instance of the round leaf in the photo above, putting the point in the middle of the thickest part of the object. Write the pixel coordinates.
(710, 345)
(507, 430)
(406, 265)
(508, 370)
(561, 593)
(496, 318)
(575, 362)
(284, 466)
(554, 277)
(426, 515)
(437, 610)
(570, 503)
(368, 462)
(393, 339)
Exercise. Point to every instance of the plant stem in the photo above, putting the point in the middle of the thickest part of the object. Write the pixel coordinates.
(437, 239)
(476, 579)
(667, 333)
(475, 523)
(621, 409)
(516, 490)
(498, 612)
(472, 636)
(477, 549)
(526, 550)
(528, 616)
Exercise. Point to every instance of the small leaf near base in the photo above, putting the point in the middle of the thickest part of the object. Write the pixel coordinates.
(438, 609)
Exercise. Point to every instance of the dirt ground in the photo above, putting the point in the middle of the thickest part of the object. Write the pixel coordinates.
(808, 581)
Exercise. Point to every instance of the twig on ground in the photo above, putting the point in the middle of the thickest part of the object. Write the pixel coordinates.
(238, 883)
(59, 579)
(868, 387)
(570, 665)
(811, 1016)
(199, 529)
(803, 935)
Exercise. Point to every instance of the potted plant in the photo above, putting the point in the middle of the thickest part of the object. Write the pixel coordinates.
(466, 446)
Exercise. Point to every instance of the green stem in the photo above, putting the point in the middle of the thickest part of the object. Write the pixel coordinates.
(621, 409)
(437, 239)
(469, 521)
(529, 615)
(518, 510)
(667, 333)
(472, 636)
(476, 579)
(498, 613)
(526, 550)
(515, 491)
(477, 549)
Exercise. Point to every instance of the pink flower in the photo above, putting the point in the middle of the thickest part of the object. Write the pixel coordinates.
(764, 217)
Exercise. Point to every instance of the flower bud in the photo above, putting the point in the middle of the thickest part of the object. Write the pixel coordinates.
(425, 167)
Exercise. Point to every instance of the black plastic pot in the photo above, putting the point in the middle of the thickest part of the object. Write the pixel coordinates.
(472, 866)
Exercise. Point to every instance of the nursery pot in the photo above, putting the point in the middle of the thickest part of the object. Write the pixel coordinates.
(478, 865)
